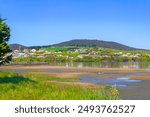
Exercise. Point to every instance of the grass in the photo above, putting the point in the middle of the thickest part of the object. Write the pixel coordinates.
(36, 86)
(44, 76)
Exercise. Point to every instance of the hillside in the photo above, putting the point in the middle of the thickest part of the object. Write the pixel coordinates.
(17, 47)
(80, 42)
(97, 43)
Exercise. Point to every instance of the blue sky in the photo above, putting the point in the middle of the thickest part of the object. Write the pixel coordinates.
(44, 22)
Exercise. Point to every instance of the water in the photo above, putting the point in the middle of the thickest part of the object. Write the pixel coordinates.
(127, 80)
(135, 65)
(129, 89)
(116, 82)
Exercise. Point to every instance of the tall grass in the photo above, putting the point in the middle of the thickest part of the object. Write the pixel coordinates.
(29, 86)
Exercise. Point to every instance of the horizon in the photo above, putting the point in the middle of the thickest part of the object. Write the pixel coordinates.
(126, 22)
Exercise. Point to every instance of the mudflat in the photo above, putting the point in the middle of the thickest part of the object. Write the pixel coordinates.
(141, 77)
(68, 72)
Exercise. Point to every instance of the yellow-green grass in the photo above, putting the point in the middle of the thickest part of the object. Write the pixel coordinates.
(45, 76)
(36, 86)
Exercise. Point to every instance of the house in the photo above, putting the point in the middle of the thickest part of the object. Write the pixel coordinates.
(33, 50)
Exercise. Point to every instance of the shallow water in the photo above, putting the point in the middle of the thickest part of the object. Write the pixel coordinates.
(136, 91)
(135, 65)
(129, 89)
(116, 82)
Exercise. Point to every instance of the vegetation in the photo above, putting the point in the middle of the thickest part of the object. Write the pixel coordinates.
(87, 43)
(4, 37)
(82, 54)
(39, 86)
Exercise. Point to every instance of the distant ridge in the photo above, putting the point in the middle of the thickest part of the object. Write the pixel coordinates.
(80, 42)
(17, 47)
(96, 43)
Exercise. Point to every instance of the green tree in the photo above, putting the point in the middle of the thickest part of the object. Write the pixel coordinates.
(5, 51)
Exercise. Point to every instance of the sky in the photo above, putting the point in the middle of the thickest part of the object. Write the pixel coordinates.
(46, 22)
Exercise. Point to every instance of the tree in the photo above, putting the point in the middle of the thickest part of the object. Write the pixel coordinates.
(5, 51)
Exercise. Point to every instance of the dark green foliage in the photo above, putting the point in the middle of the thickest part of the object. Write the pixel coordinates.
(4, 47)
(8, 77)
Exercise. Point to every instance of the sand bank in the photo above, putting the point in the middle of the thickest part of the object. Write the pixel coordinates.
(141, 77)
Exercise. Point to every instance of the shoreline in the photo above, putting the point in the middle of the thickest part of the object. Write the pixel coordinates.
(77, 72)
(96, 69)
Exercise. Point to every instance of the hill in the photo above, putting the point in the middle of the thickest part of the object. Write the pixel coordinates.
(17, 47)
(80, 42)
(95, 43)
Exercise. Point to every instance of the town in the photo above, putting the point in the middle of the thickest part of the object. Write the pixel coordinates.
(79, 54)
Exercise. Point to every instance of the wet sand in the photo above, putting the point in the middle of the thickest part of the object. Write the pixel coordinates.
(68, 72)
(141, 77)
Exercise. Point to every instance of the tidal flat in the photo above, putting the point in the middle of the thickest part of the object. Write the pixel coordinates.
(127, 83)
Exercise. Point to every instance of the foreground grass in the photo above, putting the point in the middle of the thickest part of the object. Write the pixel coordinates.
(37, 86)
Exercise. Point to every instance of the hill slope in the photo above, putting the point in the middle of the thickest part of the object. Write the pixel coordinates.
(17, 47)
(79, 42)
(97, 43)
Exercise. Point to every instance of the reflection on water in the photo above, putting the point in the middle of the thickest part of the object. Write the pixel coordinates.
(127, 80)
(117, 82)
(129, 89)
(135, 65)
